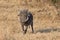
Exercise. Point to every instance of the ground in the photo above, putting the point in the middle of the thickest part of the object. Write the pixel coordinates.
(46, 20)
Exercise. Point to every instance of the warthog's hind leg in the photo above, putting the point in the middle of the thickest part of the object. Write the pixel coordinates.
(32, 27)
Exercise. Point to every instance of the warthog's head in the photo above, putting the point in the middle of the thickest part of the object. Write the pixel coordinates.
(23, 15)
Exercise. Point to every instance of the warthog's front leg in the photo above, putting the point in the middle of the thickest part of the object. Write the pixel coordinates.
(25, 29)
(22, 27)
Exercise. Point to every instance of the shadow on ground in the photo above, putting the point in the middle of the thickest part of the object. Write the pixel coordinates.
(47, 30)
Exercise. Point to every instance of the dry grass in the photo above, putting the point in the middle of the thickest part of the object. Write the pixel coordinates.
(46, 20)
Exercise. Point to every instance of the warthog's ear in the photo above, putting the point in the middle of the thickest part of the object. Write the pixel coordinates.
(28, 13)
(20, 12)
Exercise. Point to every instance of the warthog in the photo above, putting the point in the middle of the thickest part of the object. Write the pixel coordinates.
(26, 20)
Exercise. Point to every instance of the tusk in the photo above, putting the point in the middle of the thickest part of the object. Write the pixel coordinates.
(26, 19)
